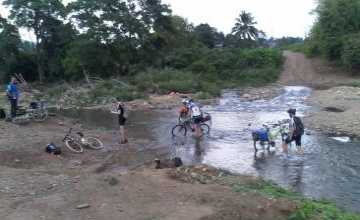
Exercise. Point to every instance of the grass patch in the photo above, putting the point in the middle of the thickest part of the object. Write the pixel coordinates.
(112, 181)
(267, 188)
(55, 91)
(305, 208)
(309, 209)
(354, 84)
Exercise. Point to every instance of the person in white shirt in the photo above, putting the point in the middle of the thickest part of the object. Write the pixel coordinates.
(295, 133)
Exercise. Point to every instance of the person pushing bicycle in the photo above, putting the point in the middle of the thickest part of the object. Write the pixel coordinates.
(196, 115)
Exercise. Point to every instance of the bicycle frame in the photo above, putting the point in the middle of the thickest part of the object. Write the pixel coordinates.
(189, 123)
(275, 131)
(269, 135)
(71, 137)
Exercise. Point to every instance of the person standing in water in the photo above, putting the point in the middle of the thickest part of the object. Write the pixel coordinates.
(296, 130)
(120, 110)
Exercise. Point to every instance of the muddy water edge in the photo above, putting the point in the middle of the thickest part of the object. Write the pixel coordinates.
(329, 169)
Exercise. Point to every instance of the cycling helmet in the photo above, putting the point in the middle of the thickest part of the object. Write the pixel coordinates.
(292, 111)
(53, 149)
(184, 100)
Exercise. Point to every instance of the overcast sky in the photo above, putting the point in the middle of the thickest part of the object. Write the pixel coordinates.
(277, 18)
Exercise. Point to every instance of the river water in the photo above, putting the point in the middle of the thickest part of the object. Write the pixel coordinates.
(330, 169)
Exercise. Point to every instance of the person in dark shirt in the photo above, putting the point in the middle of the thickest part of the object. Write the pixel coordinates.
(120, 110)
(294, 133)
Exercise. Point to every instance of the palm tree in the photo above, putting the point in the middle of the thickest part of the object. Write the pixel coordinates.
(244, 27)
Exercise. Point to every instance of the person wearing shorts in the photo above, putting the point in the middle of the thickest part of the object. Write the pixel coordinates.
(120, 111)
(293, 136)
(196, 115)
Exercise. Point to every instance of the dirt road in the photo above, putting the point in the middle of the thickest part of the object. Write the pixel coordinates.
(301, 71)
(330, 93)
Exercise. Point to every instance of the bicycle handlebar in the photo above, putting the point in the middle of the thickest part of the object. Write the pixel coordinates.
(67, 134)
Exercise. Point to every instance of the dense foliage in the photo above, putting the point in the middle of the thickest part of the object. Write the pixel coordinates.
(132, 40)
(336, 33)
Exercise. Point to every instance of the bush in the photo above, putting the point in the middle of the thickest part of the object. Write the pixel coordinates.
(167, 80)
(350, 54)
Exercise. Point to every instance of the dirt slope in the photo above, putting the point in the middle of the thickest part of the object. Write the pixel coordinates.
(299, 70)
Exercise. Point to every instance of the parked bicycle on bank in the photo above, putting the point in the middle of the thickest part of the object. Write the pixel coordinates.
(35, 112)
(76, 142)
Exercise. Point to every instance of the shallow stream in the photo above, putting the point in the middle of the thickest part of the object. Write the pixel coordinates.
(329, 170)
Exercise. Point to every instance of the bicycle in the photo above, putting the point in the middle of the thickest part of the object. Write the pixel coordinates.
(76, 142)
(181, 128)
(269, 135)
(184, 115)
(34, 113)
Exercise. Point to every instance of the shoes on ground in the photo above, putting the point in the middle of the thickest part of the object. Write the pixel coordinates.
(124, 142)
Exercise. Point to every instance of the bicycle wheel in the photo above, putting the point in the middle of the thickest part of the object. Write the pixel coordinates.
(178, 130)
(21, 119)
(205, 129)
(93, 143)
(74, 146)
(39, 115)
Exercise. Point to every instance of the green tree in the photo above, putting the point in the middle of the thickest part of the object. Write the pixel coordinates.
(112, 29)
(36, 15)
(9, 46)
(55, 45)
(336, 21)
(206, 35)
(245, 27)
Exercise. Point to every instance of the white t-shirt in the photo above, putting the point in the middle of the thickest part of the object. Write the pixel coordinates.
(195, 110)
(291, 123)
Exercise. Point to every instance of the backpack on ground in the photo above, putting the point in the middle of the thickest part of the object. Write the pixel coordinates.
(299, 126)
(53, 149)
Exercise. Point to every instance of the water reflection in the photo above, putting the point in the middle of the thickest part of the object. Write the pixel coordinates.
(199, 151)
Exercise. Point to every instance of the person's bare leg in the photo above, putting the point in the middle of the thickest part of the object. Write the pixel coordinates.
(122, 134)
(285, 148)
(300, 150)
(197, 130)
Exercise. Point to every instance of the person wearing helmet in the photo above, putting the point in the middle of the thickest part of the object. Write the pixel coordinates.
(185, 103)
(296, 130)
(184, 110)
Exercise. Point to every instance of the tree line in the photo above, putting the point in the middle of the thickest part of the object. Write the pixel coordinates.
(336, 32)
(111, 38)
(118, 38)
